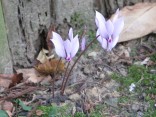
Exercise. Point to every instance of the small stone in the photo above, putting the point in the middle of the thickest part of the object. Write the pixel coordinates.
(86, 70)
(92, 54)
(153, 71)
(112, 102)
(75, 97)
(102, 76)
(135, 107)
(140, 114)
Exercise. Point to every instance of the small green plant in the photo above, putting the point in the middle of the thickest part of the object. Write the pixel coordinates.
(153, 57)
(55, 111)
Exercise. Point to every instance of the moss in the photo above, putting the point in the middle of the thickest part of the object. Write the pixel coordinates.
(145, 83)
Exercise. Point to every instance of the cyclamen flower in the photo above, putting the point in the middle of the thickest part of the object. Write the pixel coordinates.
(66, 49)
(108, 30)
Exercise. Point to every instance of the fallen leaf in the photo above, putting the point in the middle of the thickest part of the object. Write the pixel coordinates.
(139, 21)
(5, 82)
(42, 57)
(8, 107)
(39, 112)
(11, 80)
(31, 75)
(49, 36)
(49, 67)
(16, 79)
(144, 62)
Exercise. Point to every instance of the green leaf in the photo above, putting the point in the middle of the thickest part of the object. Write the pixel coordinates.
(3, 113)
(24, 107)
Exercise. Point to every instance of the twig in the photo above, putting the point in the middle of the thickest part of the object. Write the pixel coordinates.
(18, 94)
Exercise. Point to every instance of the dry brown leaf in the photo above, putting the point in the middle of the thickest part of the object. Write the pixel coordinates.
(49, 36)
(139, 21)
(16, 79)
(31, 75)
(39, 112)
(49, 67)
(8, 107)
(42, 57)
(9, 81)
(5, 82)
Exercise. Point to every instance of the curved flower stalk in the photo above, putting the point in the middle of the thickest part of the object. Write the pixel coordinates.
(109, 30)
(66, 49)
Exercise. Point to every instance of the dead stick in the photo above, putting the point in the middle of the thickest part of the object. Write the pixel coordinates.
(18, 94)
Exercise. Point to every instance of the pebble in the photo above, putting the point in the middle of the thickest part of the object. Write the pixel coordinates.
(92, 55)
(75, 97)
(135, 107)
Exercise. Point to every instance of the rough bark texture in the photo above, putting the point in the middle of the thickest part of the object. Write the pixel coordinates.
(5, 58)
(27, 22)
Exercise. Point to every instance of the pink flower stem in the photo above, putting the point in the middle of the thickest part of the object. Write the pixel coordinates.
(65, 75)
(53, 77)
(62, 91)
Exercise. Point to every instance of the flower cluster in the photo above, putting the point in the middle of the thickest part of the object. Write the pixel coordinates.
(107, 34)
(66, 49)
(108, 30)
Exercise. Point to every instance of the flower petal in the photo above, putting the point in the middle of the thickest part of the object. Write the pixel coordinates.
(115, 16)
(83, 43)
(104, 43)
(113, 43)
(74, 46)
(70, 34)
(118, 26)
(109, 27)
(67, 46)
(58, 43)
(99, 37)
(100, 22)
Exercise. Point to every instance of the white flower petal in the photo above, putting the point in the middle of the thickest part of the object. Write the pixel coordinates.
(100, 22)
(118, 27)
(70, 34)
(67, 46)
(74, 46)
(109, 27)
(58, 43)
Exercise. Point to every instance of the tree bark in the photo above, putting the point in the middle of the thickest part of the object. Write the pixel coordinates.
(27, 22)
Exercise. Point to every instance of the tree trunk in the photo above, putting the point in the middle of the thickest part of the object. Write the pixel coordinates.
(27, 22)
(5, 58)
